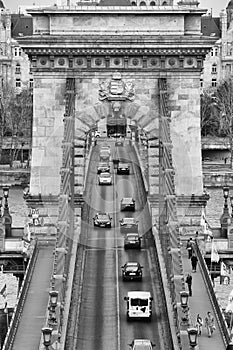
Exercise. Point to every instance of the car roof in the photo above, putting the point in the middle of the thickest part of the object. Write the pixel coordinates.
(127, 199)
(129, 220)
(101, 213)
(123, 163)
(132, 263)
(105, 175)
(103, 164)
(132, 234)
(139, 294)
(142, 341)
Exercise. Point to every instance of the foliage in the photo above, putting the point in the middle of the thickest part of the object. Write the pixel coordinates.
(217, 110)
(16, 117)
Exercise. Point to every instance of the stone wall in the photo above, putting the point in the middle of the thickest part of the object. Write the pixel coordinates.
(184, 91)
(49, 104)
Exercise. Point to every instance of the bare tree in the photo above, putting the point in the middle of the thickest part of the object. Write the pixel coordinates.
(16, 118)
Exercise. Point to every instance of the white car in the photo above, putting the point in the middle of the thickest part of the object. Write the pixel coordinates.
(105, 149)
(105, 179)
(141, 344)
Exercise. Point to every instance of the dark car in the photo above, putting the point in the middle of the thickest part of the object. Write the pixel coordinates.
(141, 344)
(128, 225)
(103, 168)
(132, 240)
(102, 219)
(128, 204)
(123, 168)
(132, 271)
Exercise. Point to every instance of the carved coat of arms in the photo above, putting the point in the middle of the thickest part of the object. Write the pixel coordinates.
(116, 88)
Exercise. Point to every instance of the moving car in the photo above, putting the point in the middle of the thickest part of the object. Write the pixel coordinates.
(104, 155)
(105, 179)
(105, 148)
(139, 305)
(128, 225)
(141, 344)
(132, 271)
(102, 219)
(127, 204)
(123, 168)
(132, 240)
(103, 168)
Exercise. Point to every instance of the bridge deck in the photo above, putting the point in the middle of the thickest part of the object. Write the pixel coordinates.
(33, 316)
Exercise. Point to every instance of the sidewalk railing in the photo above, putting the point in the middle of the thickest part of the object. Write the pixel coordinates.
(12, 330)
(218, 313)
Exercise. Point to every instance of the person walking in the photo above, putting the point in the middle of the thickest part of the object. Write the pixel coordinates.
(189, 283)
(199, 324)
(189, 247)
(194, 262)
(210, 324)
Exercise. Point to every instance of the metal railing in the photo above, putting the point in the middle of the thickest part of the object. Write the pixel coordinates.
(218, 312)
(9, 340)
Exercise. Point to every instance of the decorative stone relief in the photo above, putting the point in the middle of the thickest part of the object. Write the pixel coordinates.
(116, 89)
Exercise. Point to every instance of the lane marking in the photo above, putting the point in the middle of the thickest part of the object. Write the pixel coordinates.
(117, 267)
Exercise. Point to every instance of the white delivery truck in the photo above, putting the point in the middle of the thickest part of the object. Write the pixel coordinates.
(139, 305)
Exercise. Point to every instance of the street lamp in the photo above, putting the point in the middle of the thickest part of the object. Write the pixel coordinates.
(184, 296)
(7, 219)
(53, 294)
(53, 298)
(192, 334)
(47, 336)
(224, 219)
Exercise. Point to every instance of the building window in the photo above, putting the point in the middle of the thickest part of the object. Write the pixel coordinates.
(31, 83)
(152, 3)
(18, 83)
(18, 51)
(214, 82)
(142, 3)
(17, 69)
(216, 51)
(212, 52)
(214, 68)
(201, 83)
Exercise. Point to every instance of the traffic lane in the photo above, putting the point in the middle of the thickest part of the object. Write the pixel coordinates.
(98, 317)
(136, 329)
(97, 325)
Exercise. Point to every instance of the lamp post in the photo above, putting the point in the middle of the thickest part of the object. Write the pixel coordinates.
(47, 336)
(184, 296)
(53, 299)
(192, 334)
(7, 219)
(224, 219)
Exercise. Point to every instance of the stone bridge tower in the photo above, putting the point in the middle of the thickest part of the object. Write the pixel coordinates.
(140, 44)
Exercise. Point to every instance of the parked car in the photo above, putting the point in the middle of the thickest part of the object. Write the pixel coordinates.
(127, 203)
(128, 225)
(103, 168)
(132, 271)
(105, 179)
(123, 168)
(141, 344)
(102, 219)
(132, 240)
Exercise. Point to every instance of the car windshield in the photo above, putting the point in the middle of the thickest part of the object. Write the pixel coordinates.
(132, 238)
(127, 200)
(128, 221)
(122, 165)
(139, 302)
(105, 175)
(103, 165)
(133, 268)
(142, 347)
(103, 217)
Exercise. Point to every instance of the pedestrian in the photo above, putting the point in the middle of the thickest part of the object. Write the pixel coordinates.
(189, 283)
(199, 324)
(189, 247)
(210, 324)
(194, 262)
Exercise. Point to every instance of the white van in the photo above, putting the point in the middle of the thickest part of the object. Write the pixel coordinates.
(139, 305)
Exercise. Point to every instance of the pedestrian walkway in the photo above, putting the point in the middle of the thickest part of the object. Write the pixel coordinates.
(200, 303)
(35, 307)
